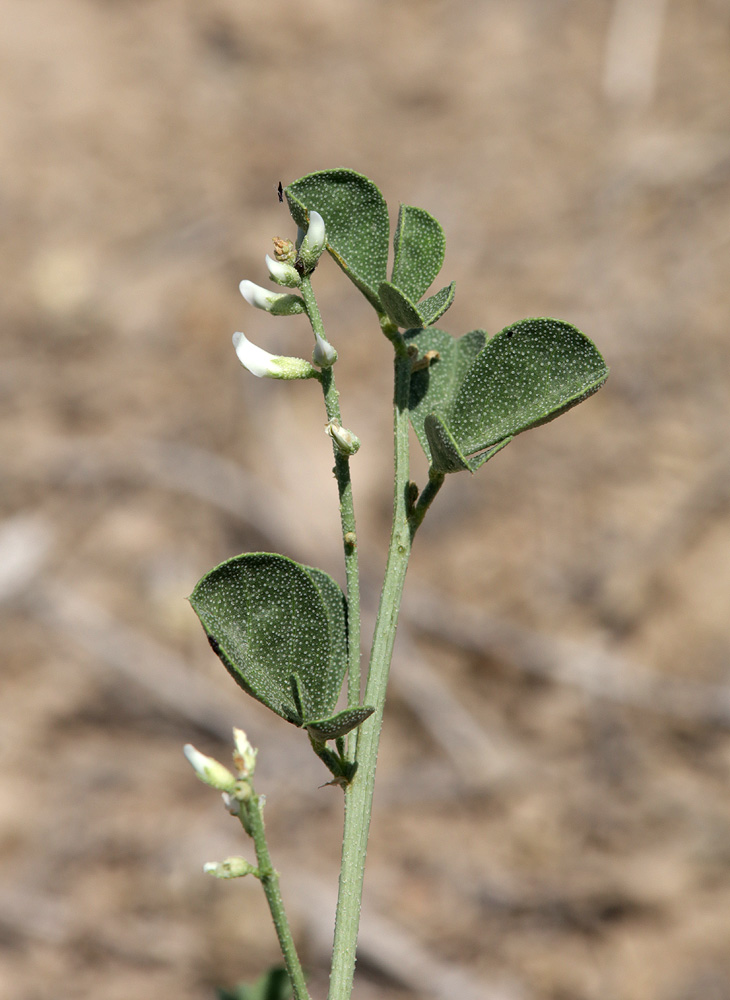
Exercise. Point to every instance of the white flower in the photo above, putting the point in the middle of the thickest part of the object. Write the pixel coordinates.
(244, 756)
(279, 303)
(264, 365)
(314, 242)
(324, 353)
(282, 273)
(209, 770)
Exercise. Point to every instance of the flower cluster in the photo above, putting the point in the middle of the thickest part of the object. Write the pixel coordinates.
(287, 268)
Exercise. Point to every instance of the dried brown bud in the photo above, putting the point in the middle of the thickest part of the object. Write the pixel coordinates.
(284, 250)
(426, 361)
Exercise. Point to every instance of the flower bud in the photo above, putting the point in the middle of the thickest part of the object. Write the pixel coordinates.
(232, 804)
(277, 303)
(314, 241)
(230, 868)
(264, 365)
(324, 353)
(283, 273)
(209, 770)
(345, 441)
(244, 756)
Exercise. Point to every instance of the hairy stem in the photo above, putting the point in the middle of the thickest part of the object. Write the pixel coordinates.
(269, 877)
(347, 509)
(359, 794)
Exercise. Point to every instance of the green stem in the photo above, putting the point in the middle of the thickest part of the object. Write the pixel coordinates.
(359, 794)
(254, 825)
(427, 497)
(347, 509)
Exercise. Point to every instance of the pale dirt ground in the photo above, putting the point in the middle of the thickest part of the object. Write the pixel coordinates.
(574, 843)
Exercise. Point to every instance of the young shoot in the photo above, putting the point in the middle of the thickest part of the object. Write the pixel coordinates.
(287, 633)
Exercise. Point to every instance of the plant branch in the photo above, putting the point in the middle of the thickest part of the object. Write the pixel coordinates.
(427, 497)
(252, 820)
(359, 794)
(347, 508)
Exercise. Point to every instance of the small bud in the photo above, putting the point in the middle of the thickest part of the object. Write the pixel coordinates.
(277, 303)
(209, 770)
(314, 242)
(264, 365)
(232, 804)
(244, 756)
(346, 442)
(284, 250)
(324, 353)
(283, 273)
(230, 868)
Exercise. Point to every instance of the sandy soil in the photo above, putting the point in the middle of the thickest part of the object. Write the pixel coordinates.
(552, 815)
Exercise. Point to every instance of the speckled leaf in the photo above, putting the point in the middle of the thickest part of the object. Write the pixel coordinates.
(279, 629)
(398, 307)
(434, 388)
(336, 609)
(446, 455)
(526, 375)
(434, 307)
(340, 724)
(418, 251)
(356, 222)
(405, 313)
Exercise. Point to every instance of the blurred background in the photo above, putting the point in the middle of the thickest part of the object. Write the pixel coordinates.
(552, 816)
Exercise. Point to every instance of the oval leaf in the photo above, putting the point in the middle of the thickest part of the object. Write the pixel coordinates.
(356, 222)
(418, 247)
(527, 374)
(279, 629)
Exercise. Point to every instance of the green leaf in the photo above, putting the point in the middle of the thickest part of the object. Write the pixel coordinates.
(418, 247)
(340, 724)
(434, 388)
(526, 375)
(446, 455)
(398, 306)
(434, 307)
(406, 314)
(279, 629)
(273, 985)
(356, 222)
